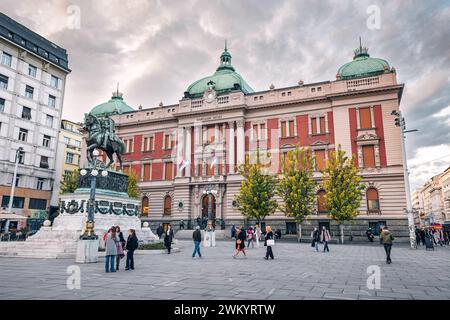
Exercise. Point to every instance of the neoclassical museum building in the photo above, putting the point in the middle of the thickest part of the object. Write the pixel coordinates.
(180, 151)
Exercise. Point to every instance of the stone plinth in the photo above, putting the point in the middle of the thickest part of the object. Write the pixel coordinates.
(87, 251)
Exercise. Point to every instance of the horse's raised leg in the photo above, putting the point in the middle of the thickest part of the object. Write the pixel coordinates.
(110, 158)
(120, 160)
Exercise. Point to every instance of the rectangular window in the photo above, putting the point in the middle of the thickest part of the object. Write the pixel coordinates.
(18, 180)
(146, 176)
(40, 184)
(262, 127)
(368, 156)
(291, 128)
(32, 71)
(44, 162)
(69, 157)
(6, 59)
(54, 81)
(313, 125)
(283, 129)
(167, 141)
(29, 92)
(66, 140)
(145, 144)
(26, 113)
(77, 143)
(322, 125)
(21, 157)
(168, 170)
(151, 144)
(46, 141)
(49, 121)
(211, 137)
(37, 204)
(51, 101)
(320, 159)
(365, 118)
(255, 132)
(18, 202)
(3, 82)
(23, 135)
(2, 105)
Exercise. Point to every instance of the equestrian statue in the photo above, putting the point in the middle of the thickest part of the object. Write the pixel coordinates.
(102, 136)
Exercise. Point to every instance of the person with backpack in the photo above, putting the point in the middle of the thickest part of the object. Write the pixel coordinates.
(131, 245)
(386, 240)
(197, 237)
(315, 237)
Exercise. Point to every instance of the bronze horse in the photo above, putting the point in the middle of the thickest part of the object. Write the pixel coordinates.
(96, 134)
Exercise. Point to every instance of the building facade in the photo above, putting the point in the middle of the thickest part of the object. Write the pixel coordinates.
(71, 138)
(178, 151)
(33, 74)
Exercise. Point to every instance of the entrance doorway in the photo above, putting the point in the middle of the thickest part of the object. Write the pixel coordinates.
(325, 224)
(205, 206)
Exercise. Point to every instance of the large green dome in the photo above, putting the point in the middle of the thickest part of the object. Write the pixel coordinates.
(363, 66)
(114, 106)
(225, 79)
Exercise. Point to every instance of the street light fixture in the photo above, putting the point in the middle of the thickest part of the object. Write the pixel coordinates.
(89, 233)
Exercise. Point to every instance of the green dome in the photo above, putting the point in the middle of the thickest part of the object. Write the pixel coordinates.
(362, 66)
(225, 79)
(114, 106)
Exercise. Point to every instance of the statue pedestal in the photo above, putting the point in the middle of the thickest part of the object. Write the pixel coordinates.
(209, 238)
(87, 251)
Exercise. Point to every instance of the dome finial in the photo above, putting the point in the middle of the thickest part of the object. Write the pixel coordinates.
(117, 94)
(225, 45)
(225, 60)
(361, 51)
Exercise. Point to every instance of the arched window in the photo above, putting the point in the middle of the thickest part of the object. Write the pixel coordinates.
(321, 202)
(373, 202)
(167, 205)
(144, 206)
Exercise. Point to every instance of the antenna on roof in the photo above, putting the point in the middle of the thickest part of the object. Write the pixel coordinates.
(226, 45)
(360, 45)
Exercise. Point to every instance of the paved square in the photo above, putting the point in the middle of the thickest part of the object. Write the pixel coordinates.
(296, 273)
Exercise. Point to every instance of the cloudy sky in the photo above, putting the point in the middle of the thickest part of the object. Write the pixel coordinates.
(155, 49)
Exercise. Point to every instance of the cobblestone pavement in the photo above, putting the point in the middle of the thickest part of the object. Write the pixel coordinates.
(296, 273)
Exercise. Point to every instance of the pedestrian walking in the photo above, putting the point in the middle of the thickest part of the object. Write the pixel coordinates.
(131, 245)
(446, 238)
(386, 240)
(181, 224)
(111, 249)
(168, 237)
(258, 233)
(315, 237)
(268, 243)
(160, 231)
(250, 237)
(422, 235)
(325, 237)
(197, 237)
(233, 231)
(240, 241)
(120, 247)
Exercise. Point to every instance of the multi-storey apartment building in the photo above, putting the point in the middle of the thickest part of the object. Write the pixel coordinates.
(33, 74)
(179, 150)
(71, 138)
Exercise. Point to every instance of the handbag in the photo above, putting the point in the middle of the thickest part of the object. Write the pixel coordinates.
(270, 242)
(238, 241)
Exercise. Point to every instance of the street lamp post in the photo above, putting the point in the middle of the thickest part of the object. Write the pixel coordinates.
(13, 186)
(400, 122)
(89, 232)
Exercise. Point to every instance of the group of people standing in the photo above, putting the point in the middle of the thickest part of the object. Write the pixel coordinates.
(115, 246)
(251, 235)
(433, 235)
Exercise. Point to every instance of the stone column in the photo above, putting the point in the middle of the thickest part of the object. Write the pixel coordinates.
(180, 142)
(230, 147)
(240, 141)
(188, 152)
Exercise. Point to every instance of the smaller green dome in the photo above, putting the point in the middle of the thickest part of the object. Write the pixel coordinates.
(362, 66)
(114, 106)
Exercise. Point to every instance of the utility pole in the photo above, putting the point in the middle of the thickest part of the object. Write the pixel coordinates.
(400, 122)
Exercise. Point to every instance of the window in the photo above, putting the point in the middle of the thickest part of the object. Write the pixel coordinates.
(210, 168)
(51, 101)
(168, 171)
(49, 121)
(128, 145)
(40, 184)
(66, 140)
(167, 141)
(144, 206)
(44, 162)
(322, 124)
(211, 137)
(37, 204)
(18, 202)
(3, 82)
(365, 121)
(167, 205)
(368, 156)
(18, 180)
(23, 135)
(26, 113)
(321, 202)
(6, 59)
(2, 105)
(29, 92)
(373, 202)
(263, 129)
(77, 143)
(69, 157)
(314, 126)
(46, 141)
(146, 176)
(291, 128)
(21, 157)
(283, 129)
(255, 132)
(320, 159)
(32, 71)
(54, 81)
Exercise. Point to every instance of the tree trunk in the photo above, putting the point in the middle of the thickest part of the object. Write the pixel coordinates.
(299, 232)
(341, 229)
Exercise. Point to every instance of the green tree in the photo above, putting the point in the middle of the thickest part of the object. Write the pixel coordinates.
(70, 182)
(133, 189)
(343, 187)
(297, 186)
(255, 199)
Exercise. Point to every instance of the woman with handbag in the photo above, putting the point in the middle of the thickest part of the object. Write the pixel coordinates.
(111, 249)
(268, 243)
(240, 241)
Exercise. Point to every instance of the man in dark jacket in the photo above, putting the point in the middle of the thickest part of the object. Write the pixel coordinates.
(386, 239)
(197, 237)
(159, 231)
(131, 245)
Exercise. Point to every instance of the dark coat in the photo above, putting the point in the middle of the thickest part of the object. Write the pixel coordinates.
(159, 231)
(197, 236)
(132, 243)
(168, 238)
(242, 236)
(268, 236)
